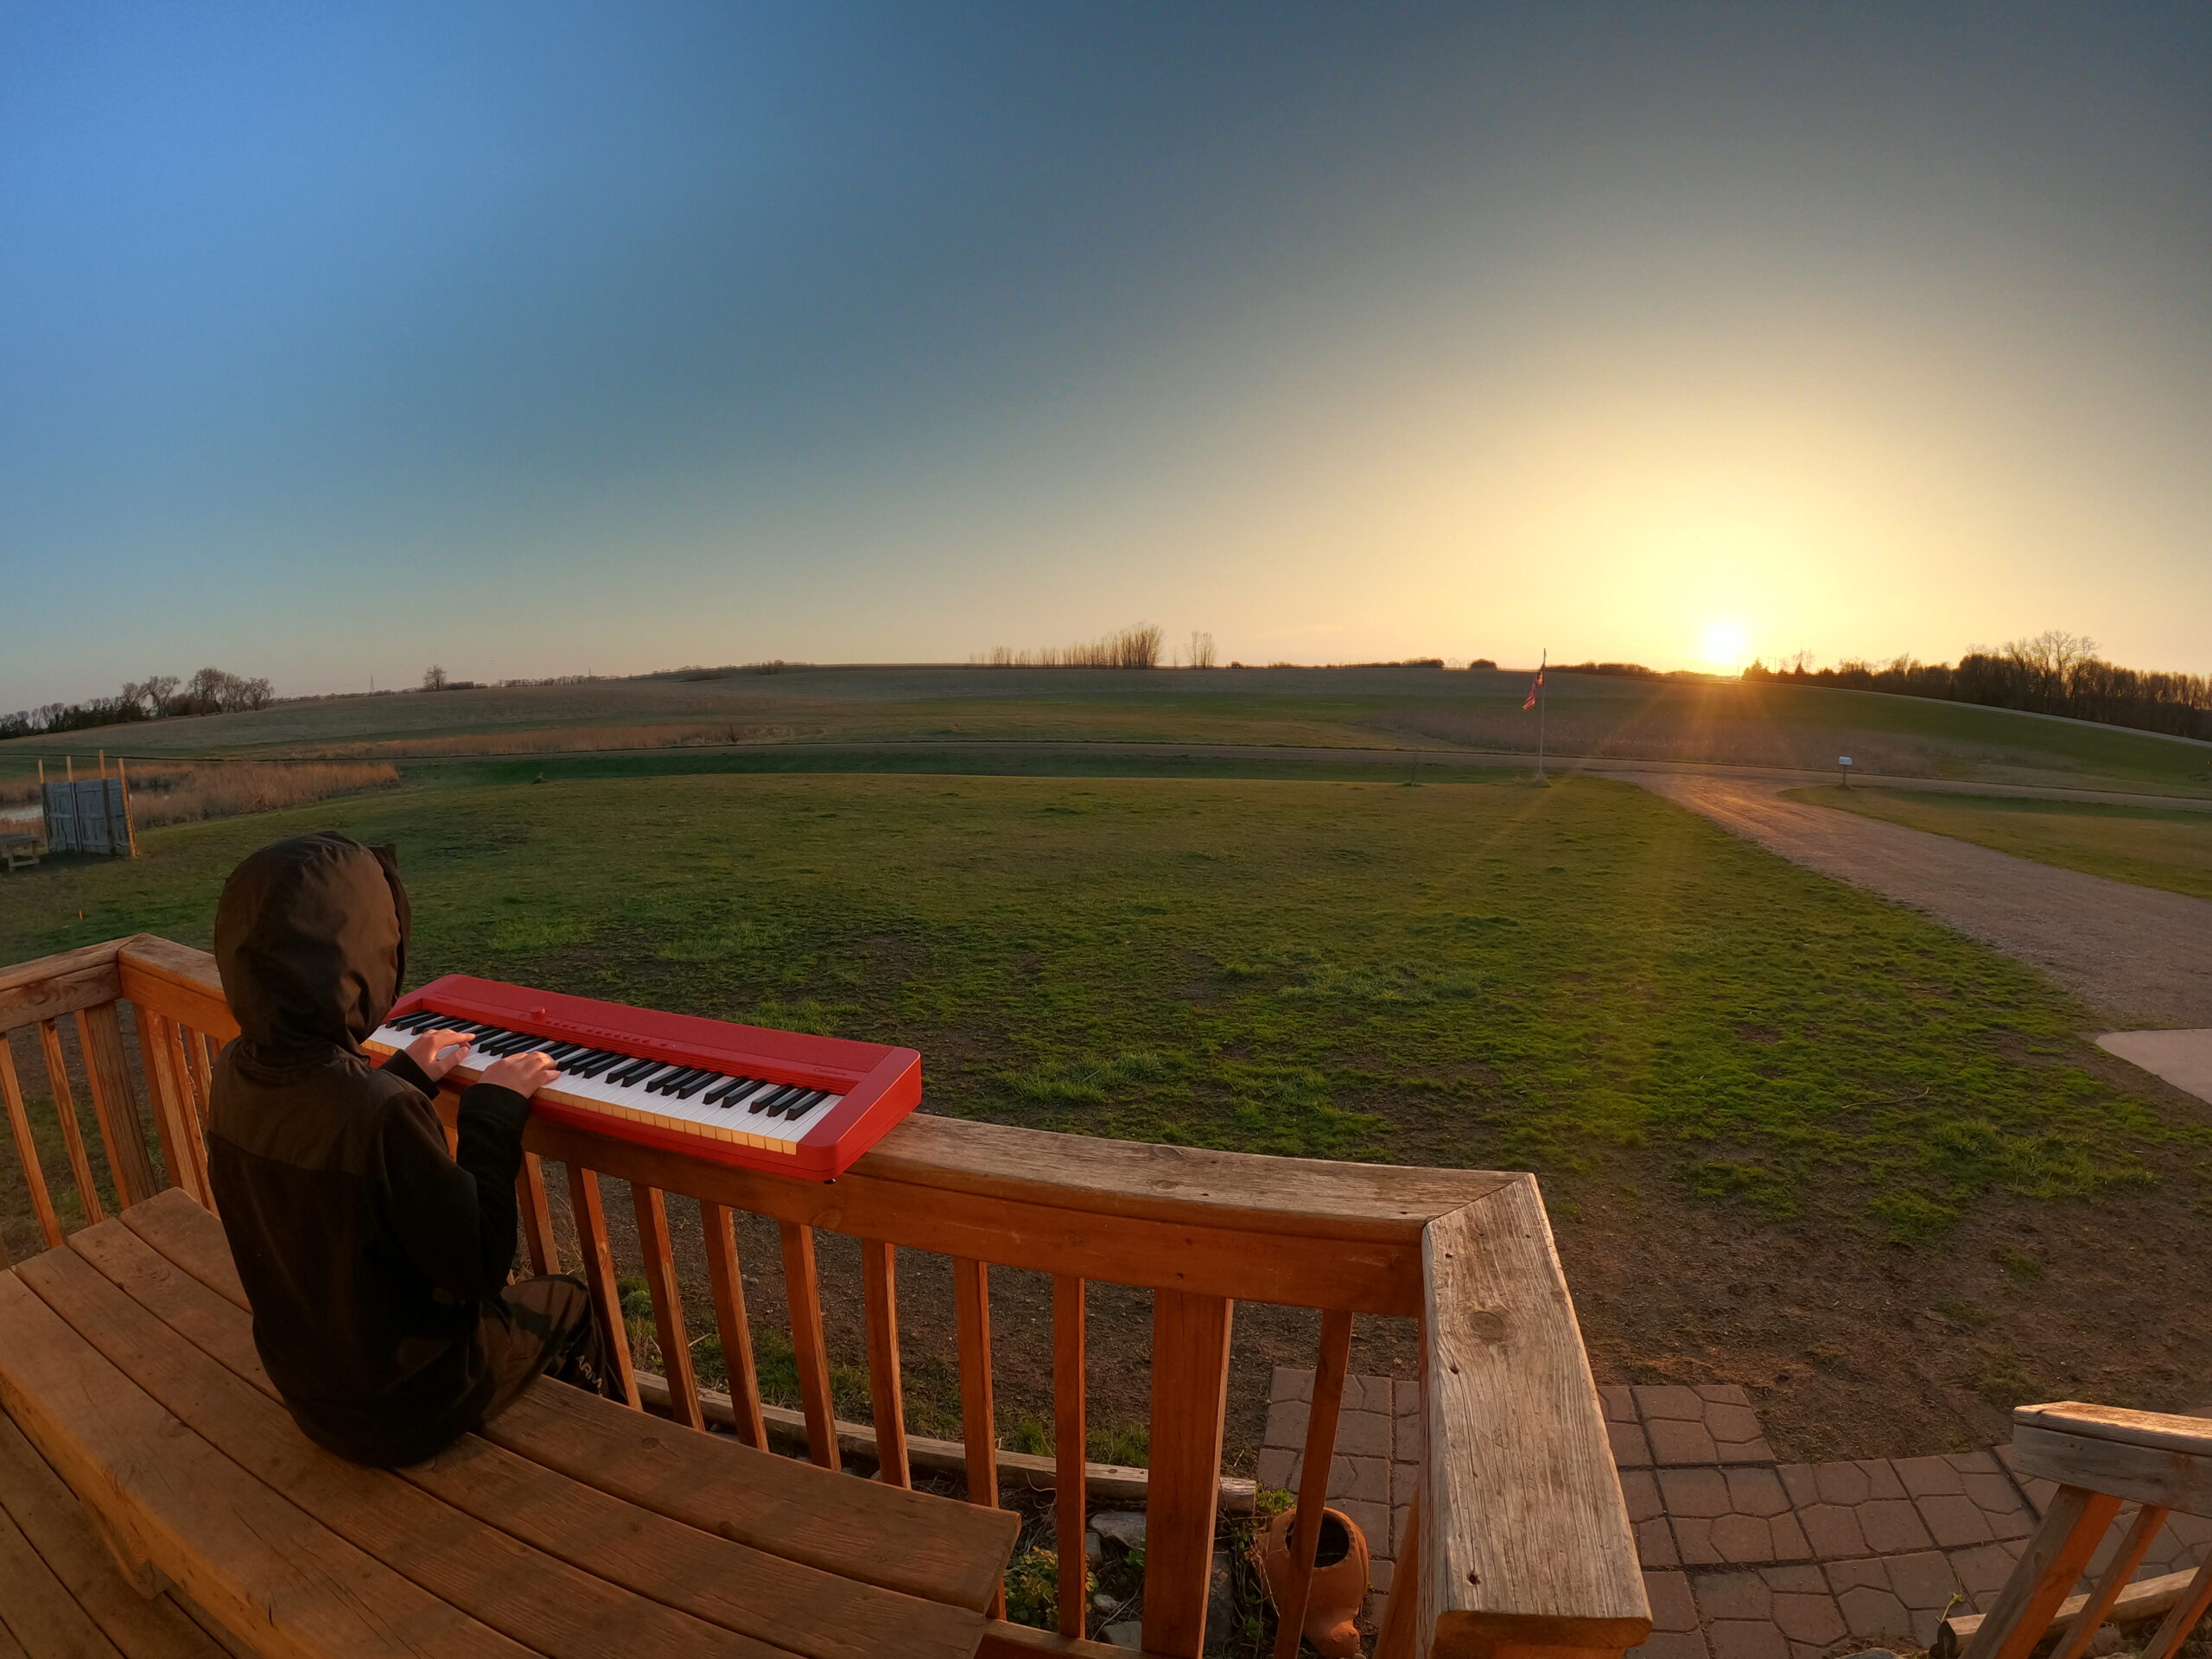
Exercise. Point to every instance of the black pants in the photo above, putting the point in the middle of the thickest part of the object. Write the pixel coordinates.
(542, 1327)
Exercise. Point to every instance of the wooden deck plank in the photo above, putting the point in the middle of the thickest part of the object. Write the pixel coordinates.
(524, 1593)
(39, 1611)
(54, 1524)
(752, 1591)
(205, 1521)
(909, 1541)
(189, 1234)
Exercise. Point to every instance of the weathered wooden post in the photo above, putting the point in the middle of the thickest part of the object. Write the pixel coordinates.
(129, 826)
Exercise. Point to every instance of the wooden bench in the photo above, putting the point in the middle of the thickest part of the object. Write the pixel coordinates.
(18, 848)
(571, 1527)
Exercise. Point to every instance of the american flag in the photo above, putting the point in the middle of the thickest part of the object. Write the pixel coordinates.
(1534, 686)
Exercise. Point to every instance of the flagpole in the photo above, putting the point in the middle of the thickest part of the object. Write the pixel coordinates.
(1540, 690)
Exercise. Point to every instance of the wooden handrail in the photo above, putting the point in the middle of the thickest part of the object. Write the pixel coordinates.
(1526, 1539)
(1520, 1538)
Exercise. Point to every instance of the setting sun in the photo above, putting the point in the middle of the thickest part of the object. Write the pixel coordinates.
(1724, 644)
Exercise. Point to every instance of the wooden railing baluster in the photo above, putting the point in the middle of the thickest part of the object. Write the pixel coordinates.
(191, 1125)
(2187, 1614)
(537, 1216)
(979, 1423)
(1190, 1402)
(202, 1074)
(107, 1068)
(879, 1291)
(599, 1277)
(1329, 1367)
(72, 1131)
(2148, 1522)
(19, 1118)
(1070, 1455)
(2073, 1524)
(803, 1297)
(726, 1281)
(651, 1211)
(153, 1064)
(1401, 1613)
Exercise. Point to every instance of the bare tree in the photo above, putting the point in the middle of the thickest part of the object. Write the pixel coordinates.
(1201, 649)
(434, 678)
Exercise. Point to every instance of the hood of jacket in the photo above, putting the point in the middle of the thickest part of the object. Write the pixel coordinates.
(311, 940)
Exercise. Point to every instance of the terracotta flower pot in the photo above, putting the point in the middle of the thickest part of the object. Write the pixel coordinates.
(1339, 1580)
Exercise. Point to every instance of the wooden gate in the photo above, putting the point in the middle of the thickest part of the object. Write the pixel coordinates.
(88, 815)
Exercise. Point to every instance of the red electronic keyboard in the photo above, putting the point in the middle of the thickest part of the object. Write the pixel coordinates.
(774, 1100)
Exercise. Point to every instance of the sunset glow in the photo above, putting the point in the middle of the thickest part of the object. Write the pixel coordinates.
(1724, 645)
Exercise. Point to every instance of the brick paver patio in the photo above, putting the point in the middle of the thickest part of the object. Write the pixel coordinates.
(1745, 1558)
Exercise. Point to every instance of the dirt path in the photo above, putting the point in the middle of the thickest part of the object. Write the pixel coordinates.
(2136, 955)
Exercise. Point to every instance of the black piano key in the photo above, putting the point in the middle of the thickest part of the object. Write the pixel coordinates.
(772, 1100)
(408, 1021)
(599, 1061)
(687, 1089)
(813, 1098)
(667, 1082)
(631, 1077)
(679, 1084)
(720, 1094)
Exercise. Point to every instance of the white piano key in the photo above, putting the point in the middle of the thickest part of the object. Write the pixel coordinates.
(728, 1121)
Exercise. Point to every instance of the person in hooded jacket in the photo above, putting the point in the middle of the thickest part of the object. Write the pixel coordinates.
(375, 1261)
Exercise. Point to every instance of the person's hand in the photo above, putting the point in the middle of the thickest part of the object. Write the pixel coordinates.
(524, 1073)
(438, 1051)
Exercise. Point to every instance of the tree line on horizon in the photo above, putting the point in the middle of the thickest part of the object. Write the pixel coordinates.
(158, 697)
(2054, 673)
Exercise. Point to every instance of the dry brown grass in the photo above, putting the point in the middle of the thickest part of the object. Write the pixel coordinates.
(563, 740)
(186, 794)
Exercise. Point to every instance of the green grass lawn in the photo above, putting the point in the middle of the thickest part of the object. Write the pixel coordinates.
(1790, 1135)
(2149, 845)
(1478, 974)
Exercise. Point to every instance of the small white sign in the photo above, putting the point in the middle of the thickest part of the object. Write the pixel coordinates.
(1843, 759)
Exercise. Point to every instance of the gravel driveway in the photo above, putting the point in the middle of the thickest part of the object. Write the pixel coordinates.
(2138, 956)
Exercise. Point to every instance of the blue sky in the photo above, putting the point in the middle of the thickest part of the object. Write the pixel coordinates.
(538, 339)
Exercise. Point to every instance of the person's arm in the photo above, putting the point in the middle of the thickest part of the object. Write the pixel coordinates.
(455, 1214)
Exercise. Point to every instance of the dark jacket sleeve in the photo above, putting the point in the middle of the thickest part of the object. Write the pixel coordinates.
(454, 1215)
(401, 1065)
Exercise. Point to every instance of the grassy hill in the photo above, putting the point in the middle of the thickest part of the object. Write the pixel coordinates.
(1728, 722)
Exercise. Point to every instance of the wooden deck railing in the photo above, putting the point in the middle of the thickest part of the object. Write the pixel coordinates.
(1518, 1545)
